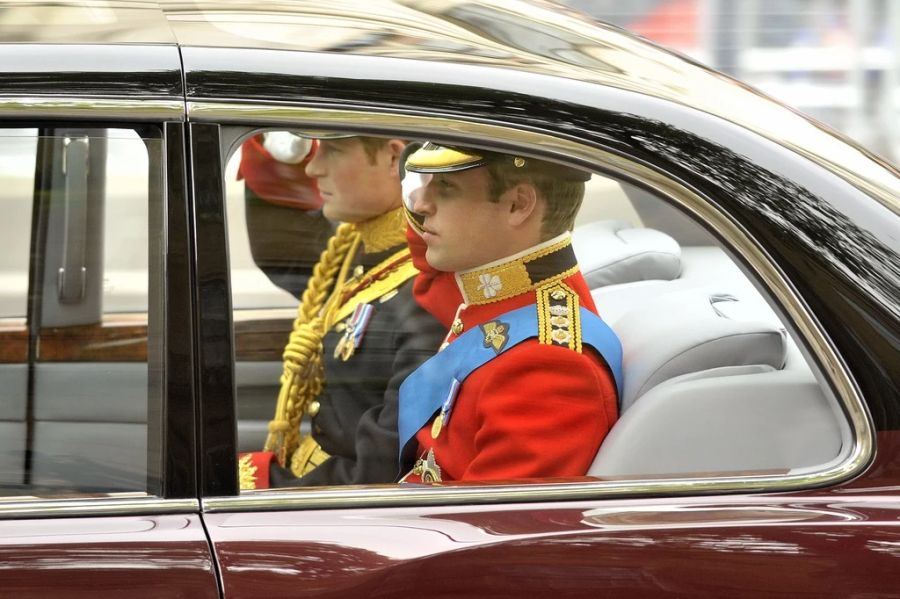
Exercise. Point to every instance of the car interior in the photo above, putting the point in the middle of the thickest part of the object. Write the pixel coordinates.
(714, 381)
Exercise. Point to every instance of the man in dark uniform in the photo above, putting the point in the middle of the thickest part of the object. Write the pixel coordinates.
(359, 332)
(525, 384)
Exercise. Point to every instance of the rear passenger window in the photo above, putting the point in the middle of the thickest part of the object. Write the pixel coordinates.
(79, 310)
(715, 383)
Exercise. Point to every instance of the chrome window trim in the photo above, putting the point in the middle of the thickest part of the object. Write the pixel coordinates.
(108, 505)
(833, 367)
(66, 107)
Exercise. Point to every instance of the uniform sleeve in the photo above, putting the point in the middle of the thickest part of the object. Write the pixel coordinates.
(542, 411)
(416, 338)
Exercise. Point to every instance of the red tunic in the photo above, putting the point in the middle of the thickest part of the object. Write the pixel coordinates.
(536, 410)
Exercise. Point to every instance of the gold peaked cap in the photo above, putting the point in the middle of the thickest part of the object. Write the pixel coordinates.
(432, 158)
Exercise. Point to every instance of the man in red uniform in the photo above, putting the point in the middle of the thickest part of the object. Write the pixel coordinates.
(526, 382)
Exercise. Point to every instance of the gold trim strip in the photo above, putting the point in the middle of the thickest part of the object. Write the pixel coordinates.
(600, 160)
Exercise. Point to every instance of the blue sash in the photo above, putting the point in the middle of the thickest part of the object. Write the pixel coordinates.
(434, 383)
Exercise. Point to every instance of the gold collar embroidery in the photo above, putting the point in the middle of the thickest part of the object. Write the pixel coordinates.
(383, 232)
(550, 261)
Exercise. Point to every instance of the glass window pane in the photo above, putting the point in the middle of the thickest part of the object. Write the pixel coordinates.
(702, 340)
(83, 409)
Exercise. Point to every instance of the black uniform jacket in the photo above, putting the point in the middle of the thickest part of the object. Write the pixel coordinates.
(357, 422)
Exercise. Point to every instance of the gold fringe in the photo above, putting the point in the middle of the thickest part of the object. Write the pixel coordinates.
(303, 377)
(320, 308)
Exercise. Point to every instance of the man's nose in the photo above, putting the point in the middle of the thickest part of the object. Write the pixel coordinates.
(420, 203)
(315, 167)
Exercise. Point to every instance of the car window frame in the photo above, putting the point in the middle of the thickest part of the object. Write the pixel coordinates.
(176, 490)
(603, 160)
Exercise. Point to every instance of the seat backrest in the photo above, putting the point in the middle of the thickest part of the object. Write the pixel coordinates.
(14, 383)
(90, 426)
(733, 419)
(689, 331)
(612, 252)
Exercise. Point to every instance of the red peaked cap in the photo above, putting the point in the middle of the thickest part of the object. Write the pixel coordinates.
(278, 182)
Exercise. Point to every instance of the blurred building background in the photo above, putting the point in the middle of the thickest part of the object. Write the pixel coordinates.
(836, 60)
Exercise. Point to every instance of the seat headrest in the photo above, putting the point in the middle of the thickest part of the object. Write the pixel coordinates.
(612, 252)
(689, 331)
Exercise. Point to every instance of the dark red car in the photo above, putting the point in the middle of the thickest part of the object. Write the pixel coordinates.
(748, 258)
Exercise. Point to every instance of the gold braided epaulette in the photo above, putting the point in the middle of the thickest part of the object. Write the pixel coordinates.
(559, 316)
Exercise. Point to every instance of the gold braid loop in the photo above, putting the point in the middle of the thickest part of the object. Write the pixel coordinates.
(303, 375)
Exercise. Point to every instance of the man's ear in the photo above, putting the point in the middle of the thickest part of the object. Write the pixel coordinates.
(524, 203)
(394, 150)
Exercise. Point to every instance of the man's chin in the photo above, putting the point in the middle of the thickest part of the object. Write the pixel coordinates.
(438, 261)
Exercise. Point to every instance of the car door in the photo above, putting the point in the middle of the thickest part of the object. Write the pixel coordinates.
(648, 520)
(97, 496)
(772, 474)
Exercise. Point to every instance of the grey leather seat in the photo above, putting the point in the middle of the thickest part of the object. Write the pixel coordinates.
(90, 426)
(14, 379)
(711, 388)
(691, 331)
(612, 252)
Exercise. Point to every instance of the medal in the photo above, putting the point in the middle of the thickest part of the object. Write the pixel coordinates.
(437, 425)
(354, 331)
(443, 418)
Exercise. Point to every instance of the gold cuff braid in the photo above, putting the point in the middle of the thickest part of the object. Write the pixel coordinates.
(246, 473)
(307, 457)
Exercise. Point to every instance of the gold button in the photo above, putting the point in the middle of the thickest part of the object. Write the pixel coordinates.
(457, 327)
(313, 408)
(558, 294)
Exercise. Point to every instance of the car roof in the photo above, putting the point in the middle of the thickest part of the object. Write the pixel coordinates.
(529, 37)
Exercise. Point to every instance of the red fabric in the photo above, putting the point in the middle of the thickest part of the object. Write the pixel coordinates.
(262, 460)
(534, 411)
(277, 182)
(434, 290)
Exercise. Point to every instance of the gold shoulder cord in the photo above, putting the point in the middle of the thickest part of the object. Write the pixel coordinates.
(302, 377)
